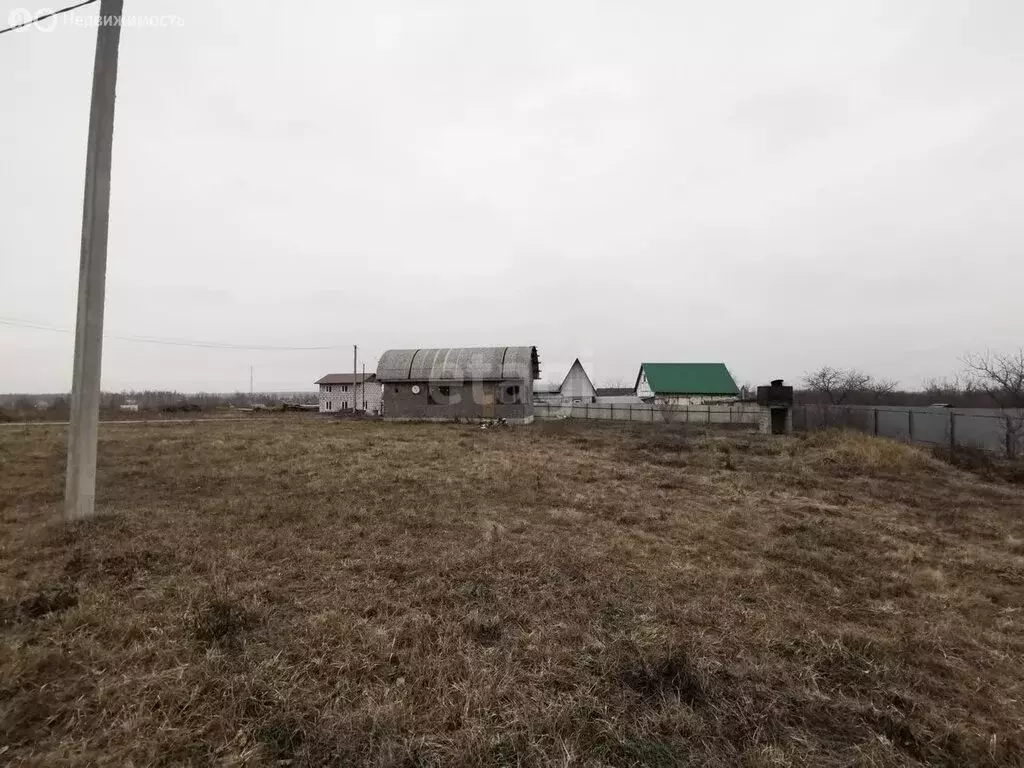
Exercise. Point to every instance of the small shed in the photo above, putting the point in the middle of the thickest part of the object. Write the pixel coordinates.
(459, 383)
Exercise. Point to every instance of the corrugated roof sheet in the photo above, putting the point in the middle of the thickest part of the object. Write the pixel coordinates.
(459, 364)
(345, 378)
(689, 378)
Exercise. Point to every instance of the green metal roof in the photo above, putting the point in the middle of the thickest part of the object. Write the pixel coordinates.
(689, 378)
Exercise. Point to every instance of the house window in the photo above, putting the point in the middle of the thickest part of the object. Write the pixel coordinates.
(327, 405)
(507, 394)
(327, 387)
(344, 387)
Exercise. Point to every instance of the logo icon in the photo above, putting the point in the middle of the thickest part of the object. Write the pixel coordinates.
(22, 16)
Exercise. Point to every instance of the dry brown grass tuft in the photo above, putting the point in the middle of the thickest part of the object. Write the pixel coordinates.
(856, 452)
(357, 593)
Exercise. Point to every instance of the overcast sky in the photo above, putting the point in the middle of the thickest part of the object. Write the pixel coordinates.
(775, 185)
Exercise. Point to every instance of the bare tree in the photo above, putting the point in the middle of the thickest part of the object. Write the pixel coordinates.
(1001, 377)
(838, 385)
(959, 390)
(939, 389)
(881, 389)
(616, 382)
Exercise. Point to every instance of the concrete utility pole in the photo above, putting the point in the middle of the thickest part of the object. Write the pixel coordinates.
(80, 490)
(354, 351)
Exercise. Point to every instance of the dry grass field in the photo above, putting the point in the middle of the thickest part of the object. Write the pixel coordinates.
(354, 593)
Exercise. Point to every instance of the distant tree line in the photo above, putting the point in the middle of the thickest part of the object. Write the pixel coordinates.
(986, 380)
(845, 386)
(56, 407)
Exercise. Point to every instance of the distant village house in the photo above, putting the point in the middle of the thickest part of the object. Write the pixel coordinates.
(685, 383)
(576, 388)
(340, 392)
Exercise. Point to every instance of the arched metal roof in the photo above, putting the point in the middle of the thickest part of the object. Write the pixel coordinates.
(459, 364)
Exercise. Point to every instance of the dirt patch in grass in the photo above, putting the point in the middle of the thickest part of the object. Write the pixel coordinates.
(670, 674)
(358, 593)
(219, 621)
(46, 601)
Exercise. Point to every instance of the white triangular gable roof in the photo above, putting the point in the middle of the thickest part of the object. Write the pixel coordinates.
(577, 382)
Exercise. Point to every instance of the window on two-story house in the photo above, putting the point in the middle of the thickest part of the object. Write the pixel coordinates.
(344, 387)
(327, 387)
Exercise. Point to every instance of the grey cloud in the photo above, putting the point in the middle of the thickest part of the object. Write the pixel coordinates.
(776, 185)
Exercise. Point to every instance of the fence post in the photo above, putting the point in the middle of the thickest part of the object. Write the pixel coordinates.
(876, 422)
(1010, 447)
(611, 409)
(910, 425)
(630, 411)
(952, 430)
(586, 410)
(709, 414)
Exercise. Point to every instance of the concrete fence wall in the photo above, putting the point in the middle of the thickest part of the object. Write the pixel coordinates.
(982, 428)
(739, 413)
(988, 429)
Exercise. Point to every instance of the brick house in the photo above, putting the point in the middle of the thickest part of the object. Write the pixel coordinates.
(345, 391)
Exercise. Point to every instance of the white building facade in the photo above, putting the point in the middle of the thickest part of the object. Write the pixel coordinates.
(345, 393)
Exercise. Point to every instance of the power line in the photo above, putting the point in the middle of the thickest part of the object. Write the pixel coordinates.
(45, 16)
(14, 323)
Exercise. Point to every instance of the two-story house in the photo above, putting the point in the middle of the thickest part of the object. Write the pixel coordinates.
(348, 392)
